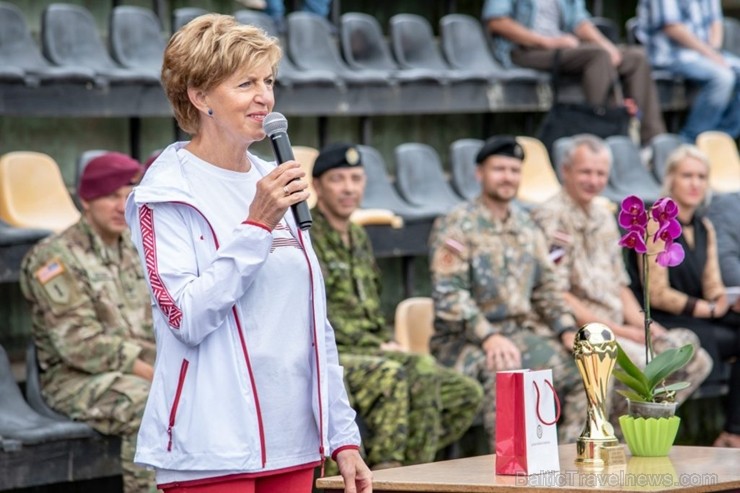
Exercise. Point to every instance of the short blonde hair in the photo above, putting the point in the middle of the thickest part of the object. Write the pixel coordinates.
(207, 51)
(674, 160)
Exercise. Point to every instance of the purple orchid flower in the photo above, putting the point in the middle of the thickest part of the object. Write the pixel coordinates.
(634, 240)
(671, 256)
(664, 210)
(633, 216)
(668, 231)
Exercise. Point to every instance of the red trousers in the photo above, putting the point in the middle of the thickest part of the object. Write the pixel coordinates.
(300, 481)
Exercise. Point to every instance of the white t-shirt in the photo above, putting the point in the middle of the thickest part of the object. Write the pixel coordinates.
(547, 18)
(223, 196)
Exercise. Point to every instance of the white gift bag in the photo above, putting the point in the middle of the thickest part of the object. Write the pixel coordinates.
(527, 410)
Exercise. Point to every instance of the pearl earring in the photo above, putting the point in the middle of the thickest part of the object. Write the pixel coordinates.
(210, 112)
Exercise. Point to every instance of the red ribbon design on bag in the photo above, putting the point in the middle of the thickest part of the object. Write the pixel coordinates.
(557, 404)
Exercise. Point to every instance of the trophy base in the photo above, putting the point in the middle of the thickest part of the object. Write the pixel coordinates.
(600, 452)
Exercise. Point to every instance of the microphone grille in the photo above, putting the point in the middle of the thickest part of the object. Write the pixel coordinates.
(274, 122)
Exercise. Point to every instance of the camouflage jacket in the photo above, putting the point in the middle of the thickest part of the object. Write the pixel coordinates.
(591, 265)
(90, 309)
(352, 281)
(491, 276)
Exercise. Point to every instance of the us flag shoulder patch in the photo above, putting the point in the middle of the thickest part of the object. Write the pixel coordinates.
(454, 245)
(50, 270)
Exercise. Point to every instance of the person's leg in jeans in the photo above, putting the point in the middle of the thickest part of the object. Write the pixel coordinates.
(639, 85)
(730, 123)
(589, 61)
(318, 7)
(714, 96)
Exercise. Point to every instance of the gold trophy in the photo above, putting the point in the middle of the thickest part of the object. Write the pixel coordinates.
(595, 352)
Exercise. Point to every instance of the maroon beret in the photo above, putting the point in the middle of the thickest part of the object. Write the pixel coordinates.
(107, 173)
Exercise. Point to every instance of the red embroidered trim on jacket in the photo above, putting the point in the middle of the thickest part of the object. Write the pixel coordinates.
(164, 300)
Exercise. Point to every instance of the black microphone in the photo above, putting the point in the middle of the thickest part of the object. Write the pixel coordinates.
(276, 128)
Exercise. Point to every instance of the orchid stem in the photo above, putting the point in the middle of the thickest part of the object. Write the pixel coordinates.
(646, 305)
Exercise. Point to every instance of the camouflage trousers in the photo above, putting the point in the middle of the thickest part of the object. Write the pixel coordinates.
(378, 391)
(538, 353)
(695, 371)
(440, 405)
(116, 410)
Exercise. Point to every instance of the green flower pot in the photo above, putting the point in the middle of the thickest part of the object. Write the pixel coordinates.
(651, 437)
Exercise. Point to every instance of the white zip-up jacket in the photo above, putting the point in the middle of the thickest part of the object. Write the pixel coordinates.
(203, 411)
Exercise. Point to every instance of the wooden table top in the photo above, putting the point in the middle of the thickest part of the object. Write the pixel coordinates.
(690, 469)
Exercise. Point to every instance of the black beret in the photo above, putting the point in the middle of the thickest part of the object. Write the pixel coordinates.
(501, 145)
(338, 155)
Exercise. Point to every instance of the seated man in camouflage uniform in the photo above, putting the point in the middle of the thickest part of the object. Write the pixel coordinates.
(498, 305)
(582, 231)
(91, 314)
(438, 404)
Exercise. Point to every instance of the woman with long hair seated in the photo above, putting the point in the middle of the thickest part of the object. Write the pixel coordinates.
(691, 294)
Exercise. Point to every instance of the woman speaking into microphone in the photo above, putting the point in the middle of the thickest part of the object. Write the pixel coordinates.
(247, 393)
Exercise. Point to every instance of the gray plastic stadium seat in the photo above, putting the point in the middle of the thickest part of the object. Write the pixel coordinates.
(85, 158)
(20, 58)
(663, 145)
(288, 75)
(414, 46)
(14, 244)
(608, 28)
(34, 397)
(257, 19)
(136, 39)
(466, 47)
(311, 45)
(731, 35)
(70, 39)
(628, 175)
(462, 164)
(183, 15)
(364, 47)
(19, 422)
(558, 153)
(421, 180)
(10, 235)
(630, 28)
(12, 74)
(380, 193)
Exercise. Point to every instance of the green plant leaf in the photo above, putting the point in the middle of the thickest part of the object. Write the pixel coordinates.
(666, 363)
(626, 364)
(632, 395)
(674, 387)
(636, 385)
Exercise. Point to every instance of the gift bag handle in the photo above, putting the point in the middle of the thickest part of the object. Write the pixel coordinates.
(557, 404)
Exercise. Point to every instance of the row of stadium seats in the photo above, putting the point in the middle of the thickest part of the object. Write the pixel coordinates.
(419, 189)
(360, 73)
